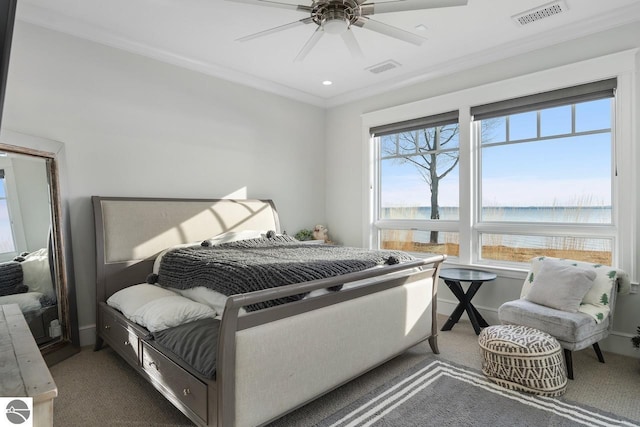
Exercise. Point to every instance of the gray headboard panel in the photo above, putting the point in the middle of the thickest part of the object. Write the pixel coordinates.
(130, 232)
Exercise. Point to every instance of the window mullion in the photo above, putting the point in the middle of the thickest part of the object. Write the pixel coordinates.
(467, 189)
(547, 229)
(416, 224)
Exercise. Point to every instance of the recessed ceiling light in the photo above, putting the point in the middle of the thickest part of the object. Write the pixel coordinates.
(327, 82)
(421, 27)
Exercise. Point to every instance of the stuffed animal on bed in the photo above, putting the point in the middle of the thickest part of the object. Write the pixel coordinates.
(320, 232)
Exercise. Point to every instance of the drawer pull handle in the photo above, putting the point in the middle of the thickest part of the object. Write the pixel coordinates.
(186, 391)
(155, 365)
(107, 326)
(126, 343)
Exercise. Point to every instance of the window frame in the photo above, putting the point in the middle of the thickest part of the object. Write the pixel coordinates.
(13, 206)
(619, 65)
(539, 229)
(379, 224)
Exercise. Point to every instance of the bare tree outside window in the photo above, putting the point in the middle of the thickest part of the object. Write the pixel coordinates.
(434, 152)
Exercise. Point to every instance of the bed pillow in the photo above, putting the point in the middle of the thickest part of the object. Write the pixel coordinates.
(129, 300)
(29, 301)
(206, 296)
(561, 286)
(37, 274)
(167, 312)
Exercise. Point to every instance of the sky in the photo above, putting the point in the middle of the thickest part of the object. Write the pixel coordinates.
(555, 172)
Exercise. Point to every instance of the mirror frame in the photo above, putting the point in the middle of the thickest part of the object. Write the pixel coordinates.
(53, 153)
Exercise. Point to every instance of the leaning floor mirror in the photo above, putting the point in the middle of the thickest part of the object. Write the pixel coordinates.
(34, 262)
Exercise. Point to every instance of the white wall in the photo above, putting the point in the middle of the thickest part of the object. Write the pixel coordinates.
(346, 169)
(133, 126)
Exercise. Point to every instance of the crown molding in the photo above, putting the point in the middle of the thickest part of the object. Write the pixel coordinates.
(43, 17)
(618, 18)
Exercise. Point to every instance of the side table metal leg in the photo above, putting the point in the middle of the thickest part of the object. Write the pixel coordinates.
(483, 323)
(474, 315)
(458, 292)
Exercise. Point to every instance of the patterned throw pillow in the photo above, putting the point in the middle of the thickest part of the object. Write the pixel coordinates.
(597, 300)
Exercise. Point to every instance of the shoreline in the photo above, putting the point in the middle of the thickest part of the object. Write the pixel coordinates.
(503, 253)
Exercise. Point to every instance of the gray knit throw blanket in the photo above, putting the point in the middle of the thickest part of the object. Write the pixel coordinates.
(255, 264)
(11, 278)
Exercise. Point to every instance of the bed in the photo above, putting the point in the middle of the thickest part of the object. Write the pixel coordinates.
(28, 281)
(268, 361)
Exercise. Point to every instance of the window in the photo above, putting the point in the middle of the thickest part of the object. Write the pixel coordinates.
(417, 206)
(546, 160)
(12, 237)
(7, 241)
(538, 179)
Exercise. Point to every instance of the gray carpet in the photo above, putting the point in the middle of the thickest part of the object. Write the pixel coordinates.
(100, 389)
(440, 393)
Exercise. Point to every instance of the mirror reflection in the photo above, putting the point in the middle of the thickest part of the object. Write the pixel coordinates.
(27, 247)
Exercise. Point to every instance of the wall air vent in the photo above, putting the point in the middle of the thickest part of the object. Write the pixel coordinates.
(383, 66)
(541, 12)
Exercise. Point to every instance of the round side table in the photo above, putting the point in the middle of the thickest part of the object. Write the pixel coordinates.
(453, 278)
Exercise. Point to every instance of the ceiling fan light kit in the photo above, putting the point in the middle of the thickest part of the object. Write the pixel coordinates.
(339, 16)
(335, 26)
(334, 16)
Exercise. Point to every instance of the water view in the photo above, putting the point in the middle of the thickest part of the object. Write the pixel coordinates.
(506, 246)
(539, 214)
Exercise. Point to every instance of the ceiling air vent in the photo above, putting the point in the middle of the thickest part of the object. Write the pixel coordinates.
(383, 66)
(541, 12)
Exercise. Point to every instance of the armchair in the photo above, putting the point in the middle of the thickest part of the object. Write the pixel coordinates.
(572, 301)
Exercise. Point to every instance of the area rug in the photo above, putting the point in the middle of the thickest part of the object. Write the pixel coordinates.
(437, 393)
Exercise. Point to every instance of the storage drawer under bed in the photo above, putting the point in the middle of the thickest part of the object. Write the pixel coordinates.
(181, 384)
(119, 336)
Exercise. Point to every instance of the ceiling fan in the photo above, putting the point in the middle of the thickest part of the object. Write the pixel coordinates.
(339, 16)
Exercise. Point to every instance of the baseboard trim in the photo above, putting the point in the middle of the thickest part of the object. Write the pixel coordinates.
(617, 342)
(87, 335)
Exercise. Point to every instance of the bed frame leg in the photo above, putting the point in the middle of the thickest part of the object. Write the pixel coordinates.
(433, 343)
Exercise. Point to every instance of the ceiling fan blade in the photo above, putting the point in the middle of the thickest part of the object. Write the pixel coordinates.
(298, 7)
(309, 44)
(275, 29)
(352, 44)
(389, 30)
(402, 5)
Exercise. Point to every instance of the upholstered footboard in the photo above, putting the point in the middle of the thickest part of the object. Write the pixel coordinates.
(283, 364)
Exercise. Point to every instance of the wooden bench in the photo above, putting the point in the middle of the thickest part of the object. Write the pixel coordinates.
(23, 372)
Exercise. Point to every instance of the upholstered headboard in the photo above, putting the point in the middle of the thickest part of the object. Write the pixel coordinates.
(130, 232)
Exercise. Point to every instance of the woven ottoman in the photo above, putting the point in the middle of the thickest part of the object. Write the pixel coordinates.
(524, 359)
